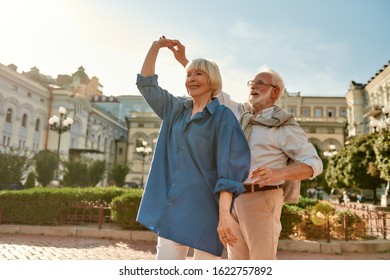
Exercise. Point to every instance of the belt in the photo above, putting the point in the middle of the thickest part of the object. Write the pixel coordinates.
(256, 188)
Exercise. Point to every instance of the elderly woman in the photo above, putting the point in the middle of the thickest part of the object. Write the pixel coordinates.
(200, 162)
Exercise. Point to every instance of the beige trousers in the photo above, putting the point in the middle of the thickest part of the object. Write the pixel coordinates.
(257, 225)
(170, 250)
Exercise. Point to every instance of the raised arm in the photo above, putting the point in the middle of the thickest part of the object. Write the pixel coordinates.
(149, 66)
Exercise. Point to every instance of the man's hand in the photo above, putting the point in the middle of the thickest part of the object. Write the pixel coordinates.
(264, 176)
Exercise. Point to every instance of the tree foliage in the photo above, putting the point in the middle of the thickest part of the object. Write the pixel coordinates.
(12, 168)
(45, 166)
(382, 152)
(118, 174)
(96, 172)
(30, 181)
(83, 173)
(357, 165)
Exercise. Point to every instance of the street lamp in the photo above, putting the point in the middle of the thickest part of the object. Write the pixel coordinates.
(331, 151)
(143, 150)
(378, 125)
(60, 125)
(385, 123)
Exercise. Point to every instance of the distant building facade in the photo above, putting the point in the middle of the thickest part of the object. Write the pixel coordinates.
(366, 102)
(324, 119)
(111, 128)
(28, 100)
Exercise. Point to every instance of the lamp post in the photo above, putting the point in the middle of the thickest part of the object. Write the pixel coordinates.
(331, 151)
(143, 150)
(60, 125)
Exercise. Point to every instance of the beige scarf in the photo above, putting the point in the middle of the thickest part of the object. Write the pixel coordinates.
(279, 117)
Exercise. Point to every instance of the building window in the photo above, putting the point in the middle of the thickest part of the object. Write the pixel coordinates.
(120, 151)
(140, 125)
(343, 112)
(306, 111)
(37, 124)
(24, 120)
(318, 112)
(9, 116)
(331, 112)
(291, 109)
(312, 130)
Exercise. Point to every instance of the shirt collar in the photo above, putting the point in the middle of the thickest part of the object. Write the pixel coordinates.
(211, 106)
(267, 113)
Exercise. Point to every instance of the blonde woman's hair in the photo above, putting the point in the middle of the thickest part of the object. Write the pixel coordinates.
(212, 70)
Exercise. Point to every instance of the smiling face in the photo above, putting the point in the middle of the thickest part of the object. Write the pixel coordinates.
(262, 92)
(198, 83)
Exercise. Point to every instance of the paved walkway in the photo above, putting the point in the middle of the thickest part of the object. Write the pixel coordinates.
(17, 245)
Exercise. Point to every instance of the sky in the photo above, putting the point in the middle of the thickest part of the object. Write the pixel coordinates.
(319, 47)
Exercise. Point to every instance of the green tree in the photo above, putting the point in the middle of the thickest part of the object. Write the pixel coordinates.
(12, 168)
(76, 174)
(382, 153)
(30, 181)
(354, 165)
(118, 174)
(84, 173)
(45, 166)
(96, 171)
(334, 173)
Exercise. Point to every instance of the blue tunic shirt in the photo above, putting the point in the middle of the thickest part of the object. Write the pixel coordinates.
(195, 159)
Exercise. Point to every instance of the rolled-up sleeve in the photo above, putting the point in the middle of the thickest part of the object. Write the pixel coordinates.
(233, 157)
(295, 144)
(158, 99)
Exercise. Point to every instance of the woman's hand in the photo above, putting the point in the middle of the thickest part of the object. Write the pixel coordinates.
(225, 231)
(225, 222)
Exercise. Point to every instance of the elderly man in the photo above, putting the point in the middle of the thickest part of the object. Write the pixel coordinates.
(281, 157)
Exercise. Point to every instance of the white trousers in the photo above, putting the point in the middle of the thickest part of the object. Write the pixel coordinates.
(170, 250)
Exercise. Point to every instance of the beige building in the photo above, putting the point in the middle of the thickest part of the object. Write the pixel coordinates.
(324, 119)
(143, 129)
(366, 103)
(28, 100)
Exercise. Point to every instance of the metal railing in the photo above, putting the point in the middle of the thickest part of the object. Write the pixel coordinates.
(373, 222)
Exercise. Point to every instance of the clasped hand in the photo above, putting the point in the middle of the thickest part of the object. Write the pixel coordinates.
(177, 48)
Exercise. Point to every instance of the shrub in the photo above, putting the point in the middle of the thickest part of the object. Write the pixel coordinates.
(125, 207)
(290, 218)
(49, 206)
(45, 166)
(30, 181)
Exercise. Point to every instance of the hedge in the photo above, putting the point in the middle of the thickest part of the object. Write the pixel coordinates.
(49, 206)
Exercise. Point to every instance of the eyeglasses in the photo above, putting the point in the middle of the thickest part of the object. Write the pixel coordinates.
(258, 83)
